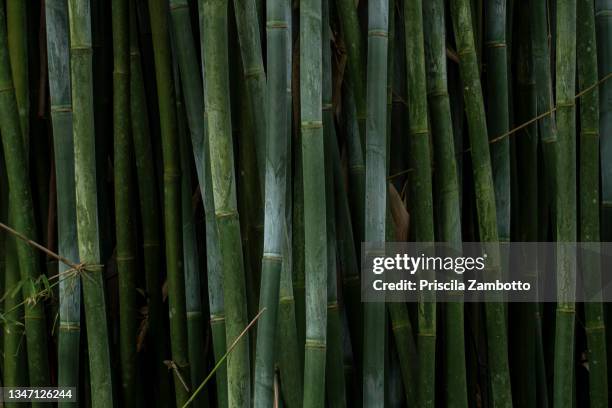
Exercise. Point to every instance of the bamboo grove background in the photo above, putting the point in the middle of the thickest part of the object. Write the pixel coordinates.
(184, 187)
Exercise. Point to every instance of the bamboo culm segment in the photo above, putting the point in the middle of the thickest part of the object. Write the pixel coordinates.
(278, 134)
(213, 252)
(315, 240)
(566, 225)
(216, 97)
(375, 193)
(589, 197)
(447, 189)
(172, 199)
(421, 190)
(79, 17)
(485, 196)
(126, 265)
(58, 58)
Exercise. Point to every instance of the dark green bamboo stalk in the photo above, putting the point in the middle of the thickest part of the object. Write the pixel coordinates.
(192, 91)
(23, 217)
(375, 193)
(149, 214)
(356, 117)
(540, 23)
(447, 190)
(213, 252)
(498, 113)
(172, 198)
(86, 201)
(193, 302)
(297, 248)
(349, 23)
(485, 195)
(216, 93)
(315, 240)
(334, 367)
(566, 202)
(603, 19)
(247, 25)
(278, 133)
(589, 200)
(422, 190)
(17, 28)
(126, 267)
(58, 58)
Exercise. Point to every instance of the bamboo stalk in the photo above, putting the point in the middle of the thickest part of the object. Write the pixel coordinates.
(172, 202)
(213, 253)
(334, 366)
(421, 190)
(86, 202)
(447, 191)
(23, 217)
(193, 302)
(17, 29)
(485, 195)
(315, 240)
(123, 208)
(216, 93)
(247, 24)
(58, 58)
(278, 132)
(192, 91)
(498, 112)
(375, 193)
(566, 202)
(589, 200)
(149, 213)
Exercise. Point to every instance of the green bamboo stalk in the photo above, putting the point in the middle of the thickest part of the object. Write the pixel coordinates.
(349, 23)
(192, 91)
(149, 213)
(497, 113)
(566, 202)
(172, 194)
(216, 93)
(58, 58)
(315, 240)
(124, 224)
(278, 132)
(16, 23)
(540, 23)
(247, 24)
(86, 202)
(447, 191)
(334, 366)
(193, 302)
(213, 253)
(603, 19)
(290, 363)
(23, 217)
(375, 193)
(297, 248)
(14, 370)
(421, 190)
(485, 195)
(351, 287)
(589, 200)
